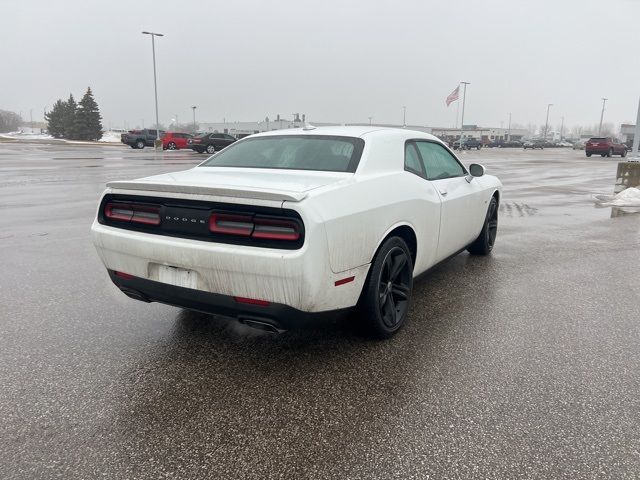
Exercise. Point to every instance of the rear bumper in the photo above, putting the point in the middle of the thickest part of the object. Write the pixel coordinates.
(273, 317)
(599, 150)
(301, 279)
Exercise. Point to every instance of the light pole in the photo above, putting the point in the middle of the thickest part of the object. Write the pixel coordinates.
(562, 130)
(546, 123)
(404, 116)
(370, 118)
(158, 143)
(194, 119)
(509, 133)
(604, 100)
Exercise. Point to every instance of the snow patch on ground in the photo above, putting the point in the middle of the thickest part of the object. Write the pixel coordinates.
(626, 198)
(110, 137)
(27, 135)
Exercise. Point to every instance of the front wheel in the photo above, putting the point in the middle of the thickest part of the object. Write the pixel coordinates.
(387, 291)
(140, 144)
(588, 154)
(487, 238)
(610, 152)
(623, 154)
(171, 146)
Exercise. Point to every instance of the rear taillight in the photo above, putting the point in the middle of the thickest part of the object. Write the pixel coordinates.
(230, 224)
(276, 229)
(127, 212)
(264, 228)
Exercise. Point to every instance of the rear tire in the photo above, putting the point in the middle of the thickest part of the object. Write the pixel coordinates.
(487, 238)
(386, 295)
(140, 144)
(588, 154)
(171, 146)
(211, 149)
(623, 154)
(610, 152)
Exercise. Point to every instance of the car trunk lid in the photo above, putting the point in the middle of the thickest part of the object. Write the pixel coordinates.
(251, 183)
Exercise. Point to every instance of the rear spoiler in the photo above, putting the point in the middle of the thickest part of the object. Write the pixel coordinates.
(227, 191)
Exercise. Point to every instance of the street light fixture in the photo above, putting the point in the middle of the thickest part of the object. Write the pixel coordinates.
(194, 119)
(404, 116)
(158, 144)
(546, 123)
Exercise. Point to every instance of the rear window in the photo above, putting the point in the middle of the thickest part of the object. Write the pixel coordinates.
(598, 139)
(292, 152)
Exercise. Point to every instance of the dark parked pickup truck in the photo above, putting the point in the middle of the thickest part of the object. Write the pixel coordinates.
(140, 138)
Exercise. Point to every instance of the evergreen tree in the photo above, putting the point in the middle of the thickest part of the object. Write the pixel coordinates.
(68, 119)
(55, 119)
(87, 124)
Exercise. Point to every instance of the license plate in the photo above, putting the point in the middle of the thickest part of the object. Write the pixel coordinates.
(179, 277)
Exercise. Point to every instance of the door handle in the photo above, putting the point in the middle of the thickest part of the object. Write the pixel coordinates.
(443, 193)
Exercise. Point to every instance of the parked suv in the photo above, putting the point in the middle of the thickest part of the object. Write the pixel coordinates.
(468, 144)
(140, 138)
(210, 142)
(533, 144)
(605, 146)
(175, 140)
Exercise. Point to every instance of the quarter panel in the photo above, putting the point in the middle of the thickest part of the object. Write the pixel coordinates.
(358, 216)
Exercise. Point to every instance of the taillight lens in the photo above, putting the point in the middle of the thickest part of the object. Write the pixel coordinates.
(127, 212)
(276, 229)
(230, 224)
(265, 228)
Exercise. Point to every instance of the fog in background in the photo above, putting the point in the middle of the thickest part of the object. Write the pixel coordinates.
(339, 61)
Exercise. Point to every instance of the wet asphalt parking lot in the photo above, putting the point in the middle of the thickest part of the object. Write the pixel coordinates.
(524, 364)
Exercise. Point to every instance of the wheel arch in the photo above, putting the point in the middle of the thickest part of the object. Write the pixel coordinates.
(404, 231)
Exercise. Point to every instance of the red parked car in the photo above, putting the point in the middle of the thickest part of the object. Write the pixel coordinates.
(605, 147)
(175, 140)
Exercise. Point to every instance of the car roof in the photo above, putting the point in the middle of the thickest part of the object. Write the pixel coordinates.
(360, 131)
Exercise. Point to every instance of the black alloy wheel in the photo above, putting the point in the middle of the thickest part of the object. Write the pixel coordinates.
(387, 292)
(171, 146)
(487, 238)
(211, 149)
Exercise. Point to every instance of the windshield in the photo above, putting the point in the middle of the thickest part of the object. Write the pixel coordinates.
(292, 152)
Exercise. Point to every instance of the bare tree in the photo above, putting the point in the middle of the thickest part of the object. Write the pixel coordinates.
(9, 121)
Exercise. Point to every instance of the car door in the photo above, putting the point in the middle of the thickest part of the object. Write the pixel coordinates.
(463, 208)
(427, 219)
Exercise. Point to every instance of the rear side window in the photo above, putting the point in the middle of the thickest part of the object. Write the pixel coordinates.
(438, 162)
(292, 152)
(412, 162)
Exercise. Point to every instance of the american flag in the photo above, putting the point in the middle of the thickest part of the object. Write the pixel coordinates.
(453, 96)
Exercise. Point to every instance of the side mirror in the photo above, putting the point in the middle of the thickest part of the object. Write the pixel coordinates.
(476, 170)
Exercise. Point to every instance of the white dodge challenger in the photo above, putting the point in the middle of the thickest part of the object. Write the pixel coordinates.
(282, 226)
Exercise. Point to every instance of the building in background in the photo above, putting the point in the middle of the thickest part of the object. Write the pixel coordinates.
(484, 134)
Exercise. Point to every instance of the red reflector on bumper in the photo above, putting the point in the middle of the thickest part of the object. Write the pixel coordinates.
(126, 276)
(343, 281)
(252, 301)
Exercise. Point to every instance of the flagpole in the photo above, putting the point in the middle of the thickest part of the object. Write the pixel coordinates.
(457, 108)
(464, 97)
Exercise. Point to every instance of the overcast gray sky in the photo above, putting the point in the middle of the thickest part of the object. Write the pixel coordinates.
(333, 60)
